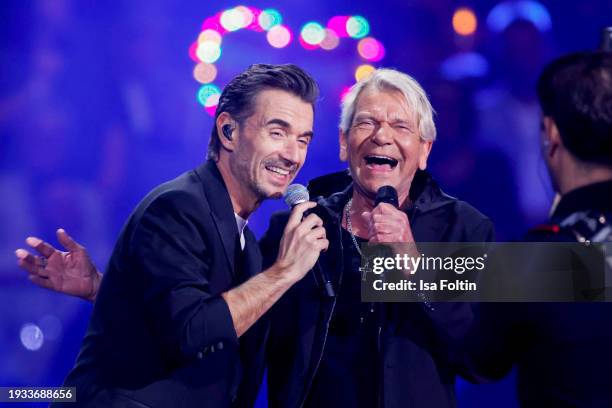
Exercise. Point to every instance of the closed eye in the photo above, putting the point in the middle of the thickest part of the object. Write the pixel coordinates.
(304, 140)
(365, 124)
(277, 133)
(403, 127)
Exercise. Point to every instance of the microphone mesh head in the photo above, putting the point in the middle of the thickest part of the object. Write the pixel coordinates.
(386, 194)
(296, 194)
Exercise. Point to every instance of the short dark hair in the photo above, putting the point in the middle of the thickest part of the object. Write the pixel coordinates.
(238, 97)
(576, 92)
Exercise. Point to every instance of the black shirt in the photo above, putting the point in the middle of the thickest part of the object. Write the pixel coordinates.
(561, 350)
(349, 372)
(589, 202)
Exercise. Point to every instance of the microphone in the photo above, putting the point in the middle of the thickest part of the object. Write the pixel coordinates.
(297, 194)
(386, 194)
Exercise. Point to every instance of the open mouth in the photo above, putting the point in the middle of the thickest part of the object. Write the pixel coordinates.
(278, 170)
(380, 162)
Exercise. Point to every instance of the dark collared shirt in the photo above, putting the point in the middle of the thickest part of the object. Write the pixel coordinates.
(594, 197)
(349, 372)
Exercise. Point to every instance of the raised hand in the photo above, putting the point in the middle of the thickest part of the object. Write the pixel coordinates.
(388, 224)
(71, 272)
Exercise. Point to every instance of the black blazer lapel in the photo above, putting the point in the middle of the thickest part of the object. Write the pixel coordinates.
(221, 208)
(253, 261)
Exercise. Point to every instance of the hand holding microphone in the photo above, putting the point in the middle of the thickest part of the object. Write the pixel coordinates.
(386, 223)
(303, 238)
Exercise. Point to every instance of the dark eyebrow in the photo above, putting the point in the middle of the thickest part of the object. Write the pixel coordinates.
(287, 125)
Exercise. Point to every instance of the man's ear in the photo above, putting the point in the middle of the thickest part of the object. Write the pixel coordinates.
(224, 120)
(343, 142)
(552, 137)
(424, 153)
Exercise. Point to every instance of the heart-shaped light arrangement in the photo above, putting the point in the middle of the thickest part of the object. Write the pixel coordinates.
(313, 36)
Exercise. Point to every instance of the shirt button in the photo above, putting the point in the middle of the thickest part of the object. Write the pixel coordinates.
(220, 345)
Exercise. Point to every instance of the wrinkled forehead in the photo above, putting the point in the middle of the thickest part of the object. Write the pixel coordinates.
(384, 102)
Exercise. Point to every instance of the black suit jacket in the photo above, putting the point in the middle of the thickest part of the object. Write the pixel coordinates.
(160, 334)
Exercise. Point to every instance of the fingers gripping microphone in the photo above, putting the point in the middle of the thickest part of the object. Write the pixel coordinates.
(386, 194)
(297, 194)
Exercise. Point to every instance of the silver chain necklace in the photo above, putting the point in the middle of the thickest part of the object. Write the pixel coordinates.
(349, 225)
(363, 270)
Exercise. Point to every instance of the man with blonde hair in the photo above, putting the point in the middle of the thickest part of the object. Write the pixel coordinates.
(325, 352)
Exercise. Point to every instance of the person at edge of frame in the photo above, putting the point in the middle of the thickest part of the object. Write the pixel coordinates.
(562, 350)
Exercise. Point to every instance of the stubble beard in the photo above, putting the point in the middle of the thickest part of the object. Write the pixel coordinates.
(248, 177)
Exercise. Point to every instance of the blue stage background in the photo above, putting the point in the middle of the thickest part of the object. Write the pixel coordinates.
(101, 101)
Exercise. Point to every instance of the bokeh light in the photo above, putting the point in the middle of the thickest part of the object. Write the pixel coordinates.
(206, 95)
(31, 337)
(246, 15)
(192, 52)
(464, 65)
(330, 41)
(312, 33)
(269, 18)
(204, 73)
(357, 27)
(254, 25)
(235, 18)
(212, 23)
(208, 51)
(364, 71)
(210, 35)
(212, 100)
(210, 105)
(464, 21)
(344, 92)
(307, 46)
(338, 25)
(370, 49)
(211, 110)
(279, 36)
(502, 15)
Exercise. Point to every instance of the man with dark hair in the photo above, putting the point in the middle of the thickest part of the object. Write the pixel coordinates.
(175, 322)
(562, 351)
(575, 95)
(238, 97)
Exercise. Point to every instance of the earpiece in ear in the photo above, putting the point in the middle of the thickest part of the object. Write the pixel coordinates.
(227, 131)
